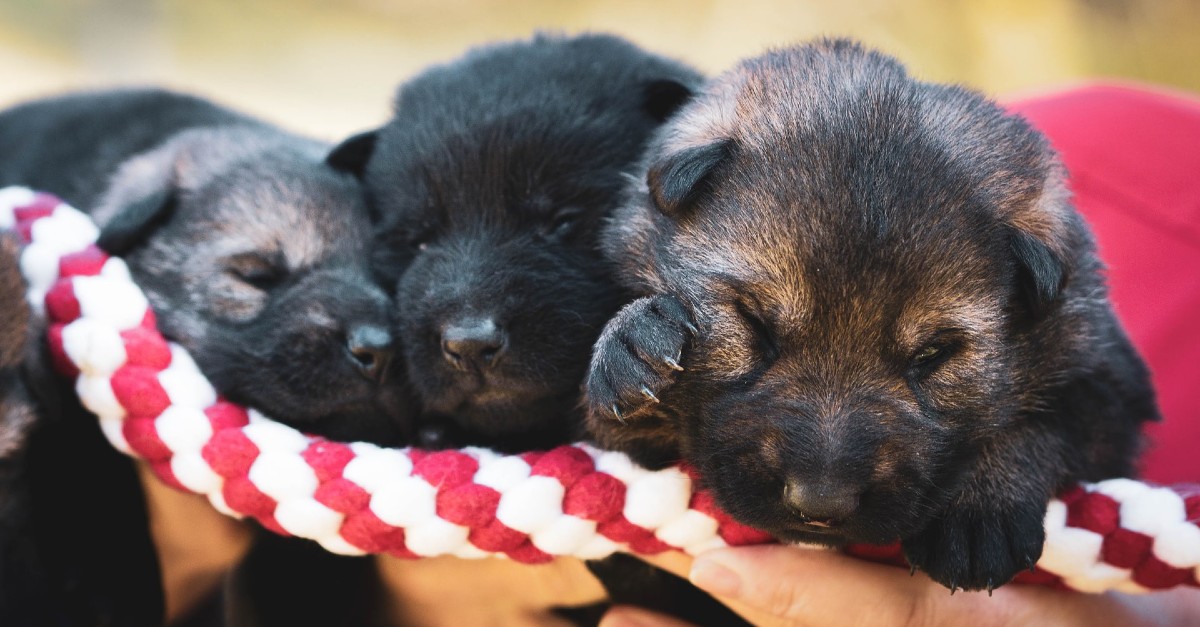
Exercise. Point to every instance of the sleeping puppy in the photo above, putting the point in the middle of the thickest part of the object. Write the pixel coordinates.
(869, 312)
(252, 251)
(490, 182)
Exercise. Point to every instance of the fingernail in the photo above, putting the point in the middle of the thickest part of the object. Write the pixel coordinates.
(714, 577)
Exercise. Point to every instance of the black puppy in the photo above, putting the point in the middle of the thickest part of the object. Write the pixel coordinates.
(869, 313)
(253, 253)
(491, 182)
(250, 249)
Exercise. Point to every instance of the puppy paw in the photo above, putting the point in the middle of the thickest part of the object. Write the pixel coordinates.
(979, 548)
(637, 356)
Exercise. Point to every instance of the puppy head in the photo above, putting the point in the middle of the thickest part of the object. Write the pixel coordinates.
(253, 254)
(492, 182)
(866, 256)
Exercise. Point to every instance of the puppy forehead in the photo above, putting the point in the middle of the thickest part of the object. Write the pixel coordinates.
(306, 219)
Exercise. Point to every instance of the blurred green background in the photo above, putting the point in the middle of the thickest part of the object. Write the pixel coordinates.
(328, 68)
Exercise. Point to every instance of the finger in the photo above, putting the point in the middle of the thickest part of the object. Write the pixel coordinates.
(814, 586)
(628, 616)
(681, 564)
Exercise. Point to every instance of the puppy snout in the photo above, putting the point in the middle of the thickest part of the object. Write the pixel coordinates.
(820, 504)
(371, 348)
(473, 343)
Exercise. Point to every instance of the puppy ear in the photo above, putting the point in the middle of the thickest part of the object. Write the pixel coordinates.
(140, 198)
(662, 98)
(1041, 273)
(1040, 234)
(677, 180)
(136, 222)
(351, 156)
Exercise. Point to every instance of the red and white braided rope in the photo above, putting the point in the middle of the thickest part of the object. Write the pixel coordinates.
(153, 403)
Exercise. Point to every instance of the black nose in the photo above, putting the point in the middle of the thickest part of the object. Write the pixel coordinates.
(370, 349)
(474, 342)
(820, 503)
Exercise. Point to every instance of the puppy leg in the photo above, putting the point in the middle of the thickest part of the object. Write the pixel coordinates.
(637, 357)
(993, 528)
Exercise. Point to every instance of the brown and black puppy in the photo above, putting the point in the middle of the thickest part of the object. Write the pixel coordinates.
(870, 312)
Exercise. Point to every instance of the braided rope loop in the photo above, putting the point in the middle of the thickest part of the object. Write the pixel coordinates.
(153, 403)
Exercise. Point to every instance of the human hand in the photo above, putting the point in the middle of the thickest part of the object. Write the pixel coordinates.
(784, 585)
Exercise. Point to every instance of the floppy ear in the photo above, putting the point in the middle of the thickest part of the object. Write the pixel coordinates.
(140, 198)
(351, 156)
(662, 98)
(1040, 235)
(677, 180)
(1041, 273)
(133, 225)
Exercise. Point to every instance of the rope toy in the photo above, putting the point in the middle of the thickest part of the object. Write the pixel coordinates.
(154, 404)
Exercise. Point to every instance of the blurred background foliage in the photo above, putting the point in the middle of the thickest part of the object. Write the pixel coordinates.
(329, 67)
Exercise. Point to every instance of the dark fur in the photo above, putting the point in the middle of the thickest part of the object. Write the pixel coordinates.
(491, 182)
(253, 253)
(891, 322)
(251, 250)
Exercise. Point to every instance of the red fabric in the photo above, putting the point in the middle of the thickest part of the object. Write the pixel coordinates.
(41, 206)
(619, 529)
(61, 303)
(87, 262)
(1097, 513)
(1156, 575)
(365, 530)
(327, 458)
(243, 496)
(229, 452)
(342, 495)
(1134, 161)
(598, 496)
(145, 347)
(139, 392)
(446, 469)
(224, 415)
(529, 554)
(649, 545)
(58, 355)
(496, 537)
(142, 437)
(1125, 548)
(565, 463)
(470, 505)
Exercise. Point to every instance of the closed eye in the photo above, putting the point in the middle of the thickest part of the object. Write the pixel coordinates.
(263, 272)
(765, 340)
(563, 222)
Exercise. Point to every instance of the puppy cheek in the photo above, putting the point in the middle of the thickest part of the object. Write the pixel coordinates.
(726, 352)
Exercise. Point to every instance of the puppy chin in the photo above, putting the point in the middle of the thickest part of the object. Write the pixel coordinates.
(817, 537)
